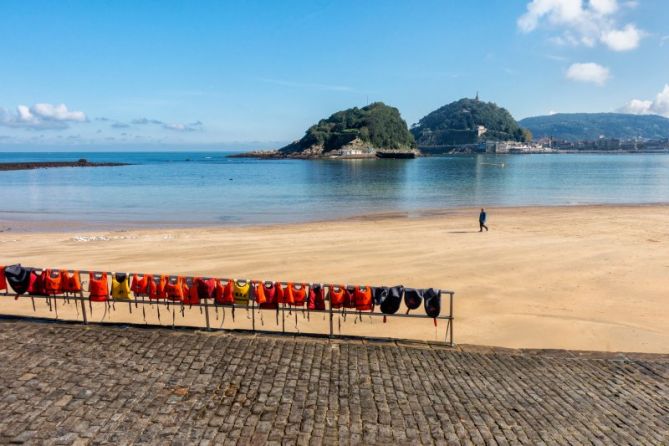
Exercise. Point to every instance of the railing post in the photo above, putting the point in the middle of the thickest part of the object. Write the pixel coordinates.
(83, 308)
(331, 316)
(452, 317)
(206, 315)
(283, 317)
(253, 315)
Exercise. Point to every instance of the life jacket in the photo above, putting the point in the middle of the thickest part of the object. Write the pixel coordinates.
(201, 289)
(140, 284)
(241, 290)
(380, 293)
(316, 297)
(70, 283)
(391, 301)
(363, 298)
(157, 287)
(98, 287)
(413, 298)
(349, 297)
(174, 288)
(36, 284)
(18, 278)
(120, 288)
(269, 291)
(224, 293)
(282, 295)
(297, 294)
(336, 296)
(52, 282)
(432, 299)
(3, 281)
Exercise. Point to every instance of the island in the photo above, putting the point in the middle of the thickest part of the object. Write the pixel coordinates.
(464, 125)
(28, 165)
(376, 130)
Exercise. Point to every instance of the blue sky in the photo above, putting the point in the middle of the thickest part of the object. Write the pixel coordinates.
(245, 73)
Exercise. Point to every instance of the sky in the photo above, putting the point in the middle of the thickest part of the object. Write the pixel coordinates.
(256, 74)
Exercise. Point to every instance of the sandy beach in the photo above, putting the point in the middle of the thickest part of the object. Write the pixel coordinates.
(585, 277)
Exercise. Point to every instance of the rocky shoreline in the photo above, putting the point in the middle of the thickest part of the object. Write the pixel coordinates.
(29, 165)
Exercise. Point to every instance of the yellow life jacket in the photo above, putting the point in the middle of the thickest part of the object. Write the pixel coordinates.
(120, 289)
(241, 291)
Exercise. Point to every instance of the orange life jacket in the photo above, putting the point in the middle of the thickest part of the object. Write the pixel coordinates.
(224, 293)
(297, 294)
(98, 288)
(336, 295)
(3, 280)
(52, 282)
(363, 298)
(70, 283)
(258, 292)
(157, 287)
(140, 284)
(174, 288)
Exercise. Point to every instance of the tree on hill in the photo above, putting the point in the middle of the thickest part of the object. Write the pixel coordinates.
(377, 124)
(459, 121)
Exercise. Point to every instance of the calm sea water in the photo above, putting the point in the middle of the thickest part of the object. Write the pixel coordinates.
(209, 188)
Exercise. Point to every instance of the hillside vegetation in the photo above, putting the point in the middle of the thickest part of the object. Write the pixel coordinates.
(457, 123)
(591, 126)
(376, 126)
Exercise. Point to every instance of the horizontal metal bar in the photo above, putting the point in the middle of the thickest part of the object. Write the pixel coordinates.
(330, 285)
(335, 311)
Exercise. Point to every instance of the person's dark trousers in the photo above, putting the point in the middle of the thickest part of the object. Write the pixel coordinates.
(482, 225)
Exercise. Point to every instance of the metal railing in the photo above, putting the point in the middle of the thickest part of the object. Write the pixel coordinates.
(281, 309)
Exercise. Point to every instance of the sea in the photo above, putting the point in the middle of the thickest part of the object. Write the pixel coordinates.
(209, 188)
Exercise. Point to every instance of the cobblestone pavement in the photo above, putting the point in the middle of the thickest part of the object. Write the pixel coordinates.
(64, 384)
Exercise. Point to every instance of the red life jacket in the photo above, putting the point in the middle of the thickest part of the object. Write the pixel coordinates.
(98, 288)
(269, 291)
(224, 293)
(282, 294)
(336, 296)
(36, 284)
(297, 294)
(316, 297)
(349, 297)
(140, 284)
(201, 289)
(174, 288)
(363, 298)
(157, 287)
(52, 282)
(3, 280)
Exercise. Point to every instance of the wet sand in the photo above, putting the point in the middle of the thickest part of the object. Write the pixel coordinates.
(584, 278)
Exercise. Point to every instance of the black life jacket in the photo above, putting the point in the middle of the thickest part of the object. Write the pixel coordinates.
(392, 300)
(18, 278)
(413, 298)
(432, 302)
(379, 293)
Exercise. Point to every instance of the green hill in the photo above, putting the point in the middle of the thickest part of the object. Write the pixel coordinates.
(376, 126)
(459, 121)
(591, 126)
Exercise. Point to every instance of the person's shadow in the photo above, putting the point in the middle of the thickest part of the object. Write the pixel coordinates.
(462, 232)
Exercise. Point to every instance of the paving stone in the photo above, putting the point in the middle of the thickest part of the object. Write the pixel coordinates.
(70, 384)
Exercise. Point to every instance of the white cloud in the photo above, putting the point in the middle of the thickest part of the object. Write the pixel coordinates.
(622, 39)
(588, 72)
(192, 127)
(582, 22)
(41, 116)
(657, 106)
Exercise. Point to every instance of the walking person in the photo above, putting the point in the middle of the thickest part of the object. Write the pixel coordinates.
(482, 219)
